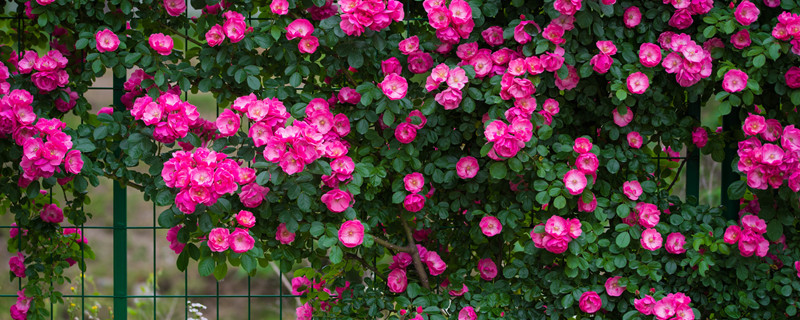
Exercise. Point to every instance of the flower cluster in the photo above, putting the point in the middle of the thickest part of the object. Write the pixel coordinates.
(786, 30)
(436, 265)
(373, 14)
(509, 139)
(5, 87)
(602, 61)
(673, 306)
(767, 164)
(749, 235)
(414, 182)
(558, 232)
(456, 79)
(398, 278)
(45, 146)
(685, 9)
(50, 73)
(644, 214)
(302, 28)
(171, 116)
(451, 23)
(418, 61)
(234, 28)
(239, 241)
(406, 132)
(302, 285)
(688, 61)
(203, 176)
(19, 311)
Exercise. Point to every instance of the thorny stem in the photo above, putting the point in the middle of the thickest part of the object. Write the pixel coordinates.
(423, 277)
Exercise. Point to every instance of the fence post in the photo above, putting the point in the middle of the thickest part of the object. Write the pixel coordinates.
(730, 124)
(693, 160)
(120, 233)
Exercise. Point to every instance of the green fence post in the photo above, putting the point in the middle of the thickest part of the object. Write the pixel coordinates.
(120, 233)
(730, 124)
(693, 160)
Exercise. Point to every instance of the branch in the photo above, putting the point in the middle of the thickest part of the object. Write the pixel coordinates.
(350, 78)
(423, 276)
(128, 183)
(182, 35)
(364, 263)
(677, 174)
(392, 246)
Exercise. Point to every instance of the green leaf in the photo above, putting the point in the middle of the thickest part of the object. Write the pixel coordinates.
(100, 133)
(81, 43)
(253, 82)
(356, 60)
(249, 263)
(413, 290)
(623, 239)
(545, 132)
(295, 80)
(774, 230)
(336, 254)
(131, 58)
(670, 267)
(206, 266)
(559, 202)
(498, 170)
(317, 229)
(759, 60)
(736, 190)
(84, 145)
(221, 270)
(304, 202)
(623, 210)
(612, 166)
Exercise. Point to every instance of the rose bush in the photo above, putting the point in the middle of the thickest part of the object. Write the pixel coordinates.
(517, 189)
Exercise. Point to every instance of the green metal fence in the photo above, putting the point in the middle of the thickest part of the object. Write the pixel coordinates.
(265, 297)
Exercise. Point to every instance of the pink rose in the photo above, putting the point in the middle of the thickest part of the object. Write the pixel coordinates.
(700, 137)
(17, 265)
(394, 86)
(215, 36)
(351, 234)
(649, 54)
(620, 119)
(172, 236)
(439, 18)
(283, 235)
(638, 83)
(73, 163)
(632, 17)
(218, 239)
(601, 63)
(414, 202)
(175, 7)
(651, 239)
(792, 77)
(390, 66)
(635, 140)
(279, 7)
(570, 82)
(252, 195)
(436, 265)
(106, 41)
(734, 81)
(449, 98)
(228, 123)
(349, 95)
(681, 19)
(487, 269)
(587, 163)
(741, 39)
(556, 226)
(632, 189)
(645, 305)
(746, 13)
(467, 167)
(574, 228)
(308, 44)
(575, 181)
(675, 243)
(648, 214)
(493, 36)
(664, 308)
(419, 62)
(161, 44)
(467, 313)
(414, 182)
(397, 281)
(587, 207)
(590, 302)
(240, 241)
(613, 288)
(409, 45)
(754, 124)
(305, 312)
(582, 145)
(51, 213)
(299, 28)
(490, 226)
(405, 132)
(337, 200)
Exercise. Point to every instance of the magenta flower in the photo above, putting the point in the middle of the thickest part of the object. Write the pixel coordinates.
(106, 41)
(279, 7)
(613, 288)
(218, 239)
(645, 305)
(215, 36)
(337, 200)
(351, 233)
(635, 140)
(487, 269)
(161, 43)
(283, 235)
(575, 181)
(632, 17)
(17, 265)
(622, 120)
(675, 243)
(394, 86)
(308, 44)
(700, 137)
(754, 124)
(449, 98)
(436, 265)
(467, 167)
(51, 213)
(240, 241)
(172, 236)
(298, 29)
(405, 132)
(638, 83)
(590, 302)
(228, 123)
(735, 80)
(175, 7)
(746, 13)
(649, 54)
(397, 281)
(632, 189)
(792, 77)
(252, 195)
(414, 202)
(741, 39)
(651, 239)
(490, 226)
(467, 313)
(245, 219)
(73, 163)
(587, 207)
(414, 182)
(409, 45)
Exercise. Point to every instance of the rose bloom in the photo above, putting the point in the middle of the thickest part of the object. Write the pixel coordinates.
(651, 239)
(632, 17)
(240, 241)
(649, 54)
(228, 123)
(283, 235)
(394, 86)
(414, 202)
(299, 28)
(622, 120)
(419, 62)
(409, 46)
(218, 239)
(73, 163)
(161, 43)
(414, 182)
(632, 189)
(467, 167)
(490, 226)
(590, 302)
(405, 132)
(792, 77)
(613, 288)
(467, 313)
(556, 226)
(337, 200)
(51, 213)
(746, 13)
(741, 39)
(700, 137)
(493, 36)
(351, 234)
(645, 305)
(638, 83)
(575, 181)
(175, 7)
(246, 219)
(215, 36)
(487, 269)
(279, 7)
(436, 265)
(754, 124)
(397, 281)
(635, 140)
(734, 81)
(582, 145)
(449, 98)
(106, 41)
(587, 207)
(675, 243)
